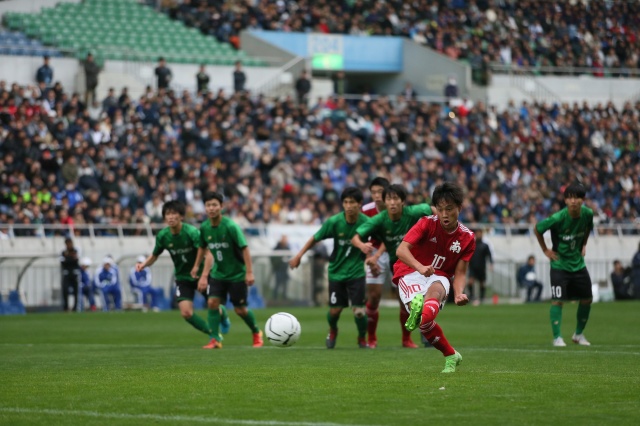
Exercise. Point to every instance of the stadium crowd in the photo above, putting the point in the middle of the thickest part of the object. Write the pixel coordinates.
(597, 34)
(117, 161)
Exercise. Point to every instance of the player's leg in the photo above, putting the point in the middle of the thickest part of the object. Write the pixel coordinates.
(75, 287)
(338, 299)
(65, 291)
(356, 291)
(558, 295)
(407, 342)
(483, 289)
(185, 291)
(580, 288)
(374, 284)
(238, 293)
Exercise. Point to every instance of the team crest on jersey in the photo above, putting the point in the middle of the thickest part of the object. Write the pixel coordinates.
(433, 240)
(170, 245)
(341, 234)
(455, 247)
(209, 237)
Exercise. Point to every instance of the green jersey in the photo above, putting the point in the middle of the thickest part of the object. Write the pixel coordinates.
(568, 236)
(346, 262)
(225, 242)
(391, 232)
(182, 247)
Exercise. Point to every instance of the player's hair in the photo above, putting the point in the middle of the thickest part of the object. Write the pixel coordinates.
(448, 191)
(352, 192)
(173, 206)
(212, 195)
(397, 189)
(575, 190)
(379, 181)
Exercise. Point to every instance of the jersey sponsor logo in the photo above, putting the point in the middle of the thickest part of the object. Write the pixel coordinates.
(215, 246)
(396, 238)
(433, 240)
(181, 250)
(455, 247)
(344, 242)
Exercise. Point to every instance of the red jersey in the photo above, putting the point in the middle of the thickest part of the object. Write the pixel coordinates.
(434, 246)
(371, 210)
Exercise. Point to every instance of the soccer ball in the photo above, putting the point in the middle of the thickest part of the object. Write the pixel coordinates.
(282, 329)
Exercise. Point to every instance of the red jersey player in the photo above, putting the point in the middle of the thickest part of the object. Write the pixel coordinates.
(378, 270)
(436, 249)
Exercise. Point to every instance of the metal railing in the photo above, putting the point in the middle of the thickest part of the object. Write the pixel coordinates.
(499, 68)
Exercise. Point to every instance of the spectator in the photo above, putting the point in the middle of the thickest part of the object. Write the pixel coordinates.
(339, 83)
(141, 285)
(280, 267)
(635, 273)
(107, 281)
(527, 279)
(239, 78)
(409, 92)
(69, 261)
(202, 80)
(303, 88)
(478, 267)
(163, 74)
(451, 88)
(44, 75)
(621, 281)
(91, 71)
(88, 287)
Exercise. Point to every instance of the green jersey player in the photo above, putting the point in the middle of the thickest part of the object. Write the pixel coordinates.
(346, 265)
(570, 280)
(223, 244)
(389, 227)
(182, 241)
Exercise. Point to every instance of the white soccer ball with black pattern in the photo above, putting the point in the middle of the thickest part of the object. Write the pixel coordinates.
(282, 329)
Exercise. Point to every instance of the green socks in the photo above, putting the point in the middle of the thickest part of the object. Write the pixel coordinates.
(361, 323)
(214, 322)
(583, 317)
(556, 320)
(333, 321)
(250, 320)
(199, 324)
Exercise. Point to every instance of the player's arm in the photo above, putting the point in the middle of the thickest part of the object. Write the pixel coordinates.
(404, 254)
(246, 255)
(148, 262)
(295, 262)
(583, 252)
(460, 282)
(543, 245)
(372, 261)
(206, 270)
(357, 242)
(202, 252)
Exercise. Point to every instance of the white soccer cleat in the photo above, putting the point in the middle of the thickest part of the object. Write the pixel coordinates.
(559, 342)
(580, 339)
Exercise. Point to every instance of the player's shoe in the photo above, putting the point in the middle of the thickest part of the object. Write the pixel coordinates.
(415, 316)
(331, 338)
(257, 339)
(225, 325)
(213, 344)
(362, 343)
(580, 339)
(451, 362)
(408, 343)
(372, 342)
(559, 342)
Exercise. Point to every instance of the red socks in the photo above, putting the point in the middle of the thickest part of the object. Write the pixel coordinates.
(372, 321)
(432, 331)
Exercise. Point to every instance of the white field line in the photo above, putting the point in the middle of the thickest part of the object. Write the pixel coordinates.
(161, 418)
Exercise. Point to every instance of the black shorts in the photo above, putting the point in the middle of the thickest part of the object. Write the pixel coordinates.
(185, 290)
(237, 291)
(567, 285)
(478, 274)
(341, 292)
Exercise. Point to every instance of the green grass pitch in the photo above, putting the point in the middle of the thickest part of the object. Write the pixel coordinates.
(132, 368)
